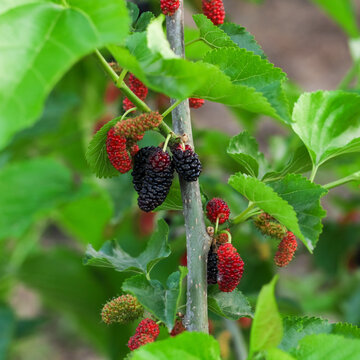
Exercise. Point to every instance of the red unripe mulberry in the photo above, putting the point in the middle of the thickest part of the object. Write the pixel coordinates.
(196, 103)
(146, 332)
(117, 152)
(138, 88)
(286, 250)
(178, 328)
(139, 340)
(217, 208)
(214, 10)
(230, 267)
(169, 7)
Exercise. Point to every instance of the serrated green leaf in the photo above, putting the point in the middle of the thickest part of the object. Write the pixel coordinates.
(242, 38)
(277, 354)
(96, 154)
(346, 330)
(173, 200)
(229, 305)
(36, 57)
(268, 200)
(159, 300)
(28, 190)
(247, 69)
(267, 328)
(304, 197)
(299, 163)
(327, 346)
(113, 256)
(328, 123)
(186, 346)
(296, 328)
(343, 13)
(244, 149)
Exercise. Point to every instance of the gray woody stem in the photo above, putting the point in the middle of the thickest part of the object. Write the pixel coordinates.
(197, 240)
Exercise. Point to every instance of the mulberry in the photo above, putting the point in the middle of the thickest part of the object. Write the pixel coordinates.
(196, 103)
(214, 10)
(178, 328)
(286, 250)
(230, 267)
(269, 226)
(152, 177)
(138, 340)
(217, 208)
(138, 88)
(186, 162)
(222, 238)
(122, 309)
(117, 152)
(149, 327)
(169, 7)
(212, 269)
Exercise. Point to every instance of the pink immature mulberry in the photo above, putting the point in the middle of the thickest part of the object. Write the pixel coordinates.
(286, 250)
(138, 88)
(117, 152)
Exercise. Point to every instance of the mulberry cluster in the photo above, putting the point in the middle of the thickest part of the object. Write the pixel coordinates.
(138, 88)
(152, 176)
(146, 332)
(217, 208)
(186, 162)
(286, 250)
(269, 226)
(214, 10)
(212, 269)
(122, 309)
(117, 152)
(196, 103)
(169, 7)
(230, 266)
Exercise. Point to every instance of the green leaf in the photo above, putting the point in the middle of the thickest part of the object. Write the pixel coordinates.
(229, 305)
(268, 200)
(304, 196)
(113, 256)
(7, 330)
(186, 346)
(173, 201)
(346, 330)
(143, 21)
(162, 301)
(96, 154)
(133, 11)
(244, 68)
(244, 149)
(53, 38)
(267, 327)
(343, 13)
(328, 123)
(296, 328)
(327, 346)
(30, 189)
(277, 354)
(242, 38)
(299, 163)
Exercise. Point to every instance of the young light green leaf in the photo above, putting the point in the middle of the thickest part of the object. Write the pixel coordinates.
(244, 149)
(343, 13)
(113, 256)
(247, 69)
(185, 346)
(268, 200)
(328, 123)
(159, 300)
(39, 55)
(277, 354)
(267, 327)
(229, 305)
(304, 197)
(96, 154)
(28, 190)
(327, 346)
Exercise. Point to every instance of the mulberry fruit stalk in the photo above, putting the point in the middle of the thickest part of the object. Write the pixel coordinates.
(152, 177)
(122, 309)
(230, 267)
(186, 162)
(217, 208)
(146, 332)
(286, 250)
(196, 103)
(138, 88)
(269, 226)
(117, 152)
(214, 10)
(169, 7)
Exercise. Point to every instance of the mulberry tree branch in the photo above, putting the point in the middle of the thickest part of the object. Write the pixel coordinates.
(197, 240)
